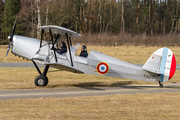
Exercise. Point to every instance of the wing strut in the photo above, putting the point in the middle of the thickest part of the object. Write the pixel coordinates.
(69, 48)
(56, 38)
(52, 44)
(70, 41)
(42, 34)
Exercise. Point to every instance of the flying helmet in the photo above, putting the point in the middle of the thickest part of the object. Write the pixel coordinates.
(63, 44)
(84, 48)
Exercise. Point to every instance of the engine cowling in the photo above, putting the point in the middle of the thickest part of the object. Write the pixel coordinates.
(24, 46)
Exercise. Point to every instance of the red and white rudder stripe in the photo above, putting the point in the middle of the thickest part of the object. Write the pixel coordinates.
(162, 62)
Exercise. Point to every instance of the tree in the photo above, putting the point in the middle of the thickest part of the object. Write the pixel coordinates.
(164, 24)
(137, 18)
(1, 13)
(177, 16)
(150, 16)
(94, 16)
(11, 9)
(122, 16)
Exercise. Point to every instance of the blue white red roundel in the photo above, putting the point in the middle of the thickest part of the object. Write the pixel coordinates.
(102, 68)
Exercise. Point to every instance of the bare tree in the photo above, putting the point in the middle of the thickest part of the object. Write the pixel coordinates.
(177, 16)
(150, 15)
(38, 18)
(91, 14)
(100, 16)
(164, 24)
(138, 6)
(47, 12)
(160, 17)
(122, 16)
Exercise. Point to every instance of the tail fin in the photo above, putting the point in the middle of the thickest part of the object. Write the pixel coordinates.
(162, 62)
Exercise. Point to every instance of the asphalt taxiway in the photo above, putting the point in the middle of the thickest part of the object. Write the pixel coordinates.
(89, 91)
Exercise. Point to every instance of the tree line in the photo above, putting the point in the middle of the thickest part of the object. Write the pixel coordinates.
(149, 17)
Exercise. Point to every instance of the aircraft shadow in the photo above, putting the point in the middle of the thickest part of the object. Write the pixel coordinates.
(121, 85)
(173, 86)
(94, 85)
(100, 85)
(90, 85)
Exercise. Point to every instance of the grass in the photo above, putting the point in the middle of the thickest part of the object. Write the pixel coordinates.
(146, 106)
(138, 106)
(11, 57)
(23, 78)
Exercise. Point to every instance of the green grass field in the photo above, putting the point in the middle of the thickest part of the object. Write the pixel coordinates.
(163, 106)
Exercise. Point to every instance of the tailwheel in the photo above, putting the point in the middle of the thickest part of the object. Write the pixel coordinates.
(160, 85)
(41, 80)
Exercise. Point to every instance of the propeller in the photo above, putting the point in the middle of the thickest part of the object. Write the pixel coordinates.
(11, 37)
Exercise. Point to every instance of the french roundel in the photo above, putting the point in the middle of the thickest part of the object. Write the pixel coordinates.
(102, 68)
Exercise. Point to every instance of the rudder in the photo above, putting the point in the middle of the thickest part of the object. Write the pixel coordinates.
(162, 62)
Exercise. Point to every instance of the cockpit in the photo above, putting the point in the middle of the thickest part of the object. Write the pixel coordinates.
(51, 41)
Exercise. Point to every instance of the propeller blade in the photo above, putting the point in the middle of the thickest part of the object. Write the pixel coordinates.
(8, 50)
(11, 37)
(14, 27)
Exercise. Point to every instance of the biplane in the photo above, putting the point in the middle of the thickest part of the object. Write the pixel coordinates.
(160, 67)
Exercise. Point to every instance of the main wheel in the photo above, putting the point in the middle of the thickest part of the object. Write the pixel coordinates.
(41, 80)
(161, 86)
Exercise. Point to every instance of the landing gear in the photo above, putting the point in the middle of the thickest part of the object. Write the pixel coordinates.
(41, 80)
(160, 85)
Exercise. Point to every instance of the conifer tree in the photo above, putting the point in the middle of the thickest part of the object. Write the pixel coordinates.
(1, 13)
(11, 9)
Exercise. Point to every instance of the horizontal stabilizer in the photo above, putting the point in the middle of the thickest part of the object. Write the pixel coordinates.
(150, 70)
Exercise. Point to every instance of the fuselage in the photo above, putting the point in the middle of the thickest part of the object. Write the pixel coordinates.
(96, 63)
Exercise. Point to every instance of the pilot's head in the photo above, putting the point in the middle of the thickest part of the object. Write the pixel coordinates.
(83, 48)
(63, 44)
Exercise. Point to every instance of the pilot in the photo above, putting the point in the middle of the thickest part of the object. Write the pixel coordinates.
(63, 48)
(83, 51)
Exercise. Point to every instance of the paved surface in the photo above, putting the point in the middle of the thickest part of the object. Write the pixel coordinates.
(78, 92)
(40, 65)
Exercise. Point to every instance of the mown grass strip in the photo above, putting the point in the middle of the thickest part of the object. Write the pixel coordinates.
(138, 106)
(23, 78)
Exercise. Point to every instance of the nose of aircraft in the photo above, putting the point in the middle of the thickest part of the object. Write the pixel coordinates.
(11, 37)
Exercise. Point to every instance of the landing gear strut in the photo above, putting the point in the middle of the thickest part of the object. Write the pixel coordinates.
(160, 85)
(41, 80)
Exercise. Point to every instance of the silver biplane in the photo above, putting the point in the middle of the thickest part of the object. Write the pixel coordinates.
(160, 67)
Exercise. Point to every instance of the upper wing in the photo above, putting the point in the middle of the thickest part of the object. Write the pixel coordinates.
(60, 30)
(64, 67)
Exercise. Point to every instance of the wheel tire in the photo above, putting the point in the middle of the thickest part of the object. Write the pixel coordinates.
(41, 80)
